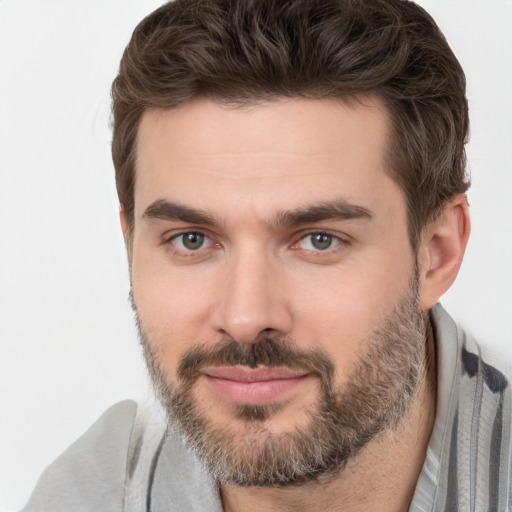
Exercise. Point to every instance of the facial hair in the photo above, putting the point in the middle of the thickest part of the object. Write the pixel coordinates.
(343, 420)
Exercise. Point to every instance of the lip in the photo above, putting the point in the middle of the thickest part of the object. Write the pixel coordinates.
(252, 386)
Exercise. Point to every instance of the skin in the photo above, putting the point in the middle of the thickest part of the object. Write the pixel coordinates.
(246, 168)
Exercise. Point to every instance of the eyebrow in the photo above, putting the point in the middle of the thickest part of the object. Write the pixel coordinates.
(167, 210)
(330, 210)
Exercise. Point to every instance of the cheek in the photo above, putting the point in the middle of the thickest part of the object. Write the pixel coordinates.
(339, 312)
(171, 305)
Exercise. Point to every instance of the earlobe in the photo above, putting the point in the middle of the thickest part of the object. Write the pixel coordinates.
(127, 233)
(442, 250)
(124, 226)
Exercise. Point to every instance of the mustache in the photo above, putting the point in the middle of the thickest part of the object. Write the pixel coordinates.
(267, 351)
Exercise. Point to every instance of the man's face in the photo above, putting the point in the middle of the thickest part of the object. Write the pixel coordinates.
(271, 272)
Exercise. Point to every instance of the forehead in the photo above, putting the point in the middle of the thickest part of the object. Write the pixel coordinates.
(264, 157)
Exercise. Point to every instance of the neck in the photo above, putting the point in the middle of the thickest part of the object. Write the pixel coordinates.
(381, 478)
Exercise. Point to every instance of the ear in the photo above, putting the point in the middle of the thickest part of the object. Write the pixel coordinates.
(441, 251)
(125, 227)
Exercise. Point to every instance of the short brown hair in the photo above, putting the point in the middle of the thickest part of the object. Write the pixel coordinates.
(244, 51)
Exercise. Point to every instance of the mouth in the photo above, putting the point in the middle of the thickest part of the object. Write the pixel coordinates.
(253, 386)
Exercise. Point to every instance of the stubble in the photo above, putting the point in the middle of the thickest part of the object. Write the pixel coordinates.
(341, 422)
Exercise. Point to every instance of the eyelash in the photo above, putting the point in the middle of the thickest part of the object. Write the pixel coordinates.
(339, 243)
(190, 252)
(334, 241)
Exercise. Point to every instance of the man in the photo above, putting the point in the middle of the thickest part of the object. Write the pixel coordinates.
(291, 178)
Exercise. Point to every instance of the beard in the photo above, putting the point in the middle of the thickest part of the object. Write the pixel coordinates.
(343, 420)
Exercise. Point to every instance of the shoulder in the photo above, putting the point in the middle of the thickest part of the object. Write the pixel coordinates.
(460, 353)
(469, 455)
(91, 474)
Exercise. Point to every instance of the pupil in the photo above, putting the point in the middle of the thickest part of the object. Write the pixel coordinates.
(193, 240)
(321, 241)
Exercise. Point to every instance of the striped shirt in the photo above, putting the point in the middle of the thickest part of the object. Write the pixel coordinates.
(468, 462)
(129, 461)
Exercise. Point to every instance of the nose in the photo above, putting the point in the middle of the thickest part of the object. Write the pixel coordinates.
(252, 298)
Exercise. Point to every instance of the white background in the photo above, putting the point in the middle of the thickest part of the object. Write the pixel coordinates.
(68, 345)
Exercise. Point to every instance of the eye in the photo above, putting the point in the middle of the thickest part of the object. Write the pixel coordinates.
(318, 242)
(190, 241)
